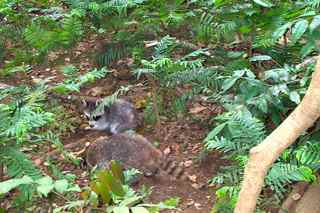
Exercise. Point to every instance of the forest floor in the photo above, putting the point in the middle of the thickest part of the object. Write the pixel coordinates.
(181, 138)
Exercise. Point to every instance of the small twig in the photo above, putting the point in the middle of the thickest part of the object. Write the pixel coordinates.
(56, 151)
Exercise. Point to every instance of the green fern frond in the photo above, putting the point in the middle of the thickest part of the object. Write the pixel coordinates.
(206, 27)
(23, 115)
(228, 175)
(71, 30)
(226, 198)
(112, 52)
(17, 163)
(309, 155)
(282, 174)
(227, 27)
(264, 41)
(204, 76)
(165, 46)
(240, 132)
(40, 38)
(313, 3)
(73, 84)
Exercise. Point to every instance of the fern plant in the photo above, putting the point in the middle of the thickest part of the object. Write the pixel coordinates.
(21, 117)
(55, 34)
(164, 71)
(73, 83)
(235, 134)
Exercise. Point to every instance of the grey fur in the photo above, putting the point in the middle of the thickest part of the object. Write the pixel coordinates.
(133, 151)
(116, 118)
(130, 149)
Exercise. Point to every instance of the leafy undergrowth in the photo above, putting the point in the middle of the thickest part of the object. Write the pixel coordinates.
(209, 77)
(183, 140)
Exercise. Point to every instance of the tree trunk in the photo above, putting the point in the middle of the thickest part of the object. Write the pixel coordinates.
(262, 156)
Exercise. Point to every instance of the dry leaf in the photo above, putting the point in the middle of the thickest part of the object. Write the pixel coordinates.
(167, 151)
(187, 163)
(197, 109)
(192, 178)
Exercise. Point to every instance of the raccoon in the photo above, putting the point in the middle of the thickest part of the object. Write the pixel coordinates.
(116, 118)
(133, 151)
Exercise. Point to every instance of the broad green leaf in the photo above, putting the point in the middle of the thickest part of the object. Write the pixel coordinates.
(263, 3)
(250, 74)
(235, 54)
(215, 131)
(106, 178)
(298, 30)
(315, 23)
(45, 185)
(275, 116)
(277, 75)
(98, 188)
(281, 30)
(139, 210)
(116, 186)
(102, 177)
(279, 88)
(262, 104)
(295, 97)
(61, 185)
(228, 83)
(8, 185)
(260, 58)
(117, 171)
(131, 201)
(121, 210)
(307, 49)
(74, 188)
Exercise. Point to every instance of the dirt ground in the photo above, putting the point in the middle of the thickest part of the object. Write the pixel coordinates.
(180, 138)
(194, 193)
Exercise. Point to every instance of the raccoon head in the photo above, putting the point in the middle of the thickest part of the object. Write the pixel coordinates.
(97, 119)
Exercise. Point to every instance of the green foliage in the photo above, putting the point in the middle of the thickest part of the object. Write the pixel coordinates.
(235, 134)
(240, 132)
(226, 199)
(169, 71)
(18, 164)
(74, 83)
(113, 52)
(44, 185)
(24, 113)
(247, 67)
(109, 185)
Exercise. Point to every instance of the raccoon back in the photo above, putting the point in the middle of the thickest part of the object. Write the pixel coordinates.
(130, 149)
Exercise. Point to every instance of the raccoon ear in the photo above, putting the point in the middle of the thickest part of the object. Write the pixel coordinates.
(98, 102)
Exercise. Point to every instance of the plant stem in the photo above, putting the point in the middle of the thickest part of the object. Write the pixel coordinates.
(1, 172)
(155, 103)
